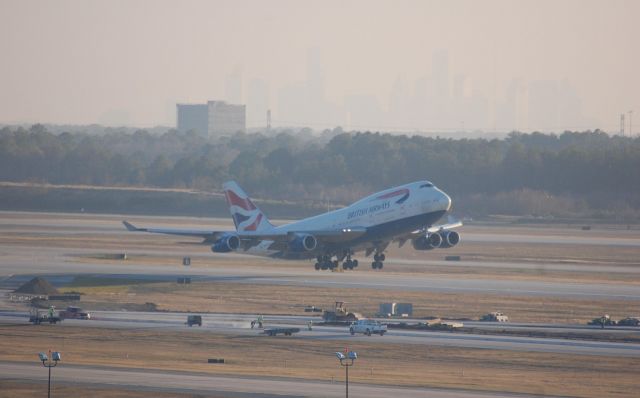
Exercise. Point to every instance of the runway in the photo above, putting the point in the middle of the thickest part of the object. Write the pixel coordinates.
(40, 258)
(237, 387)
(54, 267)
(64, 223)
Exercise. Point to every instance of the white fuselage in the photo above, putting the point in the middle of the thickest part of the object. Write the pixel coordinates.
(385, 214)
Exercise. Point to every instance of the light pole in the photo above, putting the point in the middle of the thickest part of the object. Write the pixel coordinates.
(50, 363)
(347, 361)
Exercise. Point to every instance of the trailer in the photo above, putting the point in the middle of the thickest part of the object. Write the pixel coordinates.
(277, 331)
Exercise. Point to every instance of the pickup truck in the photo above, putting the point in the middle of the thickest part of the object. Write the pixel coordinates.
(368, 327)
(74, 313)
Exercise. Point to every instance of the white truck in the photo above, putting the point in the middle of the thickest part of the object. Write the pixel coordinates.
(368, 327)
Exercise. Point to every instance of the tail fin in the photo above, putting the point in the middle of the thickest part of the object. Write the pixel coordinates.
(246, 216)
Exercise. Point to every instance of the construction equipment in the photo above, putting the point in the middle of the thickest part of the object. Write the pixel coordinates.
(495, 317)
(37, 316)
(603, 321)
(340, 314)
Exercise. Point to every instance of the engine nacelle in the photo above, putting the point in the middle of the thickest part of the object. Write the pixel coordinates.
(303, 242)
(449, 239)
(226, 244)
(428, 242)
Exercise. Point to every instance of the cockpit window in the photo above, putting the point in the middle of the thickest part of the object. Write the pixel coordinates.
(427, 185)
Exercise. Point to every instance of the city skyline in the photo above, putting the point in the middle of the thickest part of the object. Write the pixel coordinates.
(493, 66)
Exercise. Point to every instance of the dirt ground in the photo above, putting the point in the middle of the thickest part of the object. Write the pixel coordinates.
(217, 297)
(20, 389)
(392, 364)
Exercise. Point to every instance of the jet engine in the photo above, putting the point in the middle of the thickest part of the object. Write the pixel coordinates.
(226, 244)
(449, 239)
(303, 242)
(427, 242)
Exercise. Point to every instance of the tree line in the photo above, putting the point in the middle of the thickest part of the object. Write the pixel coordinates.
(591, 169)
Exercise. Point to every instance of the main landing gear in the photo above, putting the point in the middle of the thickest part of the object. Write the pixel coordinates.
(349, 263)
(326, 263)
(378, 259)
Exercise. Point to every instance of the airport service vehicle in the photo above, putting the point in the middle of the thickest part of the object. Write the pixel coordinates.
(37, 317)
(194, 320)
(401, 214)
(74, 313)
(277, 331)
(368, 327)
(495, 317)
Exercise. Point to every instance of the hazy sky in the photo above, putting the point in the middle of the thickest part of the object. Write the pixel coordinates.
(130, 61)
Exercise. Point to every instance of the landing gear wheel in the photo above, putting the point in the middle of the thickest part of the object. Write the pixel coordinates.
(324, 266)
(334, 264)
(346, 264)
(354, 264)
(317, 266)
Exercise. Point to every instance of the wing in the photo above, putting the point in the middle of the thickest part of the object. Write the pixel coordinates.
(451, 223)
(325, 235)
(207, 235)
(281, 240)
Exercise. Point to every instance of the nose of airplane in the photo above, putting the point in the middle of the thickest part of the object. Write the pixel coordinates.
(446, 200)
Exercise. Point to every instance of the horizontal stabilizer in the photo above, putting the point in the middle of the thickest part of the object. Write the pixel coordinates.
(131, 227)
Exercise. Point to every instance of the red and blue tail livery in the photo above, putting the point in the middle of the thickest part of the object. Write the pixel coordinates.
(246, 216)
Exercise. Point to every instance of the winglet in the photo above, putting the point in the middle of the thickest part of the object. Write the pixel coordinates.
(131, 227)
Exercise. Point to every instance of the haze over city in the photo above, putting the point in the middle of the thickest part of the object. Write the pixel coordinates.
(492, 66)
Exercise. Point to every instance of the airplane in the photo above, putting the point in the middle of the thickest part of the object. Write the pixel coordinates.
(399, 214)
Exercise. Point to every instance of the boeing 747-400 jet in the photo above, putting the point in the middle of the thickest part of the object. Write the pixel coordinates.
(400, 214)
